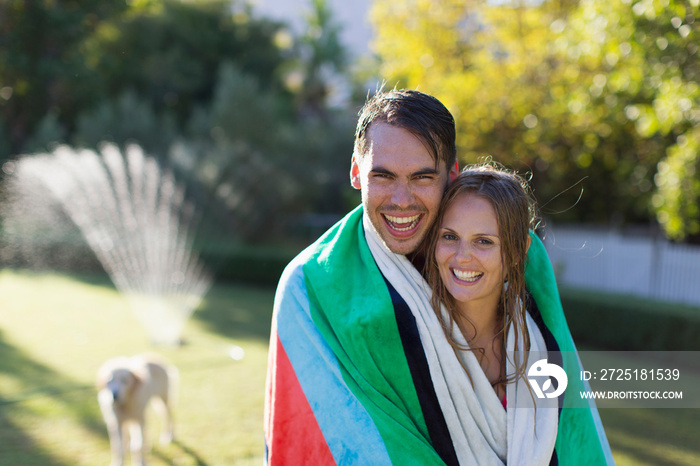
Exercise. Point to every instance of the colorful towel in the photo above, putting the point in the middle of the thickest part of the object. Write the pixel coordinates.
(482, 432)
(340, 387)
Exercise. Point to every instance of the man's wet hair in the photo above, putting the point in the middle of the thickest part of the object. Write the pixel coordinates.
(421, 114)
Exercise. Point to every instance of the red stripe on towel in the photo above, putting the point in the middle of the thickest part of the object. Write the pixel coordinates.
(289, 409)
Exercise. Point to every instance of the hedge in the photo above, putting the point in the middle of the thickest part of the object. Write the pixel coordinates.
(259, 265)
(630, 323)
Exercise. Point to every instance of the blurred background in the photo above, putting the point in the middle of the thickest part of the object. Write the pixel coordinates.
(251, 106)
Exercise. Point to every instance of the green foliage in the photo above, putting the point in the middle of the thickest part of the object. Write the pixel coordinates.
(322, 58)
(626, 323)
(202, 84)
(126, 119)
(5, 149)
(169, 52)
(593, 94)
(677, 199)
(41, 66)
(652, 69)
(258, 265)
(48, 131)
(260, 162)
(232, 153)
(66, 58)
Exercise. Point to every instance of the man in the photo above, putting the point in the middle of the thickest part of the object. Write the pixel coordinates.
(356, 371)
(403, 159)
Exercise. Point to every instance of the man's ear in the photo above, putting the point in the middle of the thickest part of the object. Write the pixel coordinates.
(454, 171)
(529, 242)
(355, 174)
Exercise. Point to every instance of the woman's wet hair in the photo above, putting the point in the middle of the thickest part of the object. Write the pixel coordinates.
(514, 206)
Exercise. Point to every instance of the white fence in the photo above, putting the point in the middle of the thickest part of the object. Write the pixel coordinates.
(635, 265)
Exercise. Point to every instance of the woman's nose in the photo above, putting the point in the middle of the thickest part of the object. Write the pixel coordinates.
(464, 251)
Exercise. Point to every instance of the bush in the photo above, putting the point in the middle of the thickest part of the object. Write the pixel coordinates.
(630, 323)
(258, 265)
(126, 119)
(260, 161)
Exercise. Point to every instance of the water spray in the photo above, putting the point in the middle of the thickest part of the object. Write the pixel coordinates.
(137, 220)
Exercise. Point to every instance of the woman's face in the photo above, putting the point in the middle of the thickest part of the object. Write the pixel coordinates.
(468, 253)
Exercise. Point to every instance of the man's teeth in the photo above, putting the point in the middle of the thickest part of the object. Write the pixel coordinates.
(403, 223)
(467, 276)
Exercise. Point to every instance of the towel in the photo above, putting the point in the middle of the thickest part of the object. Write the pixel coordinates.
(482, 431)
(345, 384)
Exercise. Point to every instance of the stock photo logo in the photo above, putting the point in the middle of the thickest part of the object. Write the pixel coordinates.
(542, 368)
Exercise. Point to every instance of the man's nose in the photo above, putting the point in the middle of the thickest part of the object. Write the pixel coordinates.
(402, 195)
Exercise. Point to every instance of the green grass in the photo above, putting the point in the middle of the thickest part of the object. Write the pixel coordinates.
(648, 436)
(652, 437)
(56, 330)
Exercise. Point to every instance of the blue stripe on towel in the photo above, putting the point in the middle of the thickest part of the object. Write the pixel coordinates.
(317, 370)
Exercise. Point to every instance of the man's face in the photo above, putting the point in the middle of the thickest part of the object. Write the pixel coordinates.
(401, 186)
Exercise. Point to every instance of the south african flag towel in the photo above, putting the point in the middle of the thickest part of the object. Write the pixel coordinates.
(348, 381)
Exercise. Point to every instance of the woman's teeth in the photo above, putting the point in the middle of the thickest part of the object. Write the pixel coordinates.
(467, 276)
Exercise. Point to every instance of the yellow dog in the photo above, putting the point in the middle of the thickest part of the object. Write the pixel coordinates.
(126, 385)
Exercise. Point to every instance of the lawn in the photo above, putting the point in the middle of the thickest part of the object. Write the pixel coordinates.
(56, 330)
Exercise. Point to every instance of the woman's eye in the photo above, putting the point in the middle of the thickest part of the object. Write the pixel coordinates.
(449, 236)
(484, 241)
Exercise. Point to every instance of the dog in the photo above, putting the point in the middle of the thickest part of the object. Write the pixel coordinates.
(125, 386)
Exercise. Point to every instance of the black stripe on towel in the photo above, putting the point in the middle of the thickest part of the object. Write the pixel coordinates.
(554, 355)
(418, 365)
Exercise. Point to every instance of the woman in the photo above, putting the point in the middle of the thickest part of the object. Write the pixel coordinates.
(475, 265)
(476, 256)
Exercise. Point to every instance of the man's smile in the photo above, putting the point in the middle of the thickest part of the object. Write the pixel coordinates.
(402, 226)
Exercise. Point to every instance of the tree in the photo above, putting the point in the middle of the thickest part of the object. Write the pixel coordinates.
(65, 58)
(168, 52)
(202, 84)
(649, 72)
(592, 93)
(322, 57)
(41, 67)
